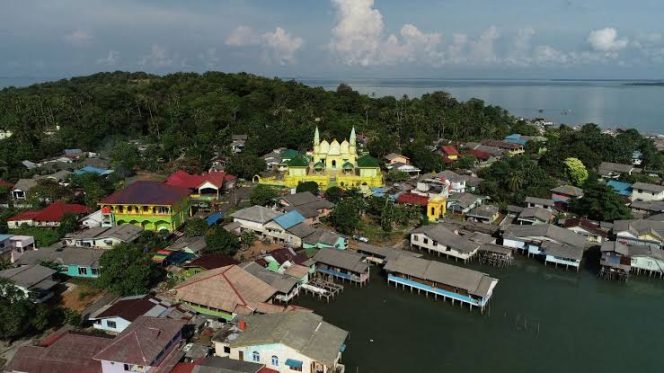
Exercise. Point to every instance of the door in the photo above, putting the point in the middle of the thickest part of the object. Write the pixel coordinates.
(241, 356)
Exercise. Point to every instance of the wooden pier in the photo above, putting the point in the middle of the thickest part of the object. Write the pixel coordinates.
(322, 289)
(495, 255)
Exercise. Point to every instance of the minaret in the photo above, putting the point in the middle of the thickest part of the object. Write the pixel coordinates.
(353, 142)
(316, 145)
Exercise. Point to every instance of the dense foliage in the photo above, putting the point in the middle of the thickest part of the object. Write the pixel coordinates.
(219, 240)
(513, 179)
(193, 116)
(127, 270)
(600, 202)
(19, 315)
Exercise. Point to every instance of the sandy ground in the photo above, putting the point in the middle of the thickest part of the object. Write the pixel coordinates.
(257, 249)
(79, 296)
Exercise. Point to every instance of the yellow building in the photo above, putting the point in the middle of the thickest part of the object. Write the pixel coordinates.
(332, 164)
(436, 208)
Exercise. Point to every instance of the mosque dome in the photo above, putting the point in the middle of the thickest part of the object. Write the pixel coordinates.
(324, 147)
(344, 147)
(334, 148)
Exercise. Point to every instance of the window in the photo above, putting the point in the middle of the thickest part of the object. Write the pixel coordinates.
(95, 271)
(127, 367)
(227, 350)
(426, 241)
(416, 238)
(82, 271)
(275, 361)
(255, 356)
(111, 324)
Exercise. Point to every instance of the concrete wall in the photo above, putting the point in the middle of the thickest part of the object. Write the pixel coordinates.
(120, 324)
(421, 240)
(646, 196)
(266, 352)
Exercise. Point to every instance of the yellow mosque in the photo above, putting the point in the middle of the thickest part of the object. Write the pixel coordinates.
(332, 164)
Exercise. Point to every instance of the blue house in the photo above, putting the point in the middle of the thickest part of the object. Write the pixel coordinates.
(621, 187)
(516, 138)
(73, 261)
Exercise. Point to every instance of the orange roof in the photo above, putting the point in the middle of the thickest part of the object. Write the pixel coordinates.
(449, 150)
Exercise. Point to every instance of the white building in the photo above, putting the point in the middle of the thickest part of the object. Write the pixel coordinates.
(285, 342)
(647, 192)
(436, 238)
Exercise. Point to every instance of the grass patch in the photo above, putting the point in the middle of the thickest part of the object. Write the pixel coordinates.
(43, 236)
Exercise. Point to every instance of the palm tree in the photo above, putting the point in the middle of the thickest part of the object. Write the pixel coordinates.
(515, 181)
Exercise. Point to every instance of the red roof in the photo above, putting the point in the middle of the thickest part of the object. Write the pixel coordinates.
(449, 150)
(148, 193)
(4, 183)
(184, 180)
(502, 144)
(69, 353)
(412, 199)
(51, 213)
(129, 308)
(184, 368)
(212, 261)
(479, 154)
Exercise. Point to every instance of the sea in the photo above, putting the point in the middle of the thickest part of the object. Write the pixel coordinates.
(608, 103)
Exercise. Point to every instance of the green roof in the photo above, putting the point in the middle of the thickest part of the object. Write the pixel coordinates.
(367, 161)
(319, 166)
(299, 161)
(289, 154)
(348, 166)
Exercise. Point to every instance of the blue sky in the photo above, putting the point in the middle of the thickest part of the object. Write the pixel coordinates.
(336, 38)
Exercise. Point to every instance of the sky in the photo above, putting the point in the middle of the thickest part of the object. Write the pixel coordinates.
(336, 39)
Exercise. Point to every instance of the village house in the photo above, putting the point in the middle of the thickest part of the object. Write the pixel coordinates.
(191, 245)
(206, 188)
(147, 204)
(92, 220)
(614, 260)
(227, 292)
(149, 344)
(238, 142)
(103, 237)
(441, 280)
(73, 261)
(558, 245)
(620, 259)
(450, 153)
(457, 182)
(484, 214)
(394, 158)
(643, 208)
(647, 192)
(59, 353)
(540, 202)
(35, 281)
(640, 232)
(439, 239)
(287, 261)
(116, 316)
(565, 194)
(207, 262)
(510, 148)
(609, 170)
(308, 205)
(592, 230)
(380, 254)
(322, 238)
(534, 215)
(288, 287)
(462, 203)
(342, 264)
(286, 342)
(20, 190)
(216, 364)
(49, 217)
(12, 246)
(254, 219)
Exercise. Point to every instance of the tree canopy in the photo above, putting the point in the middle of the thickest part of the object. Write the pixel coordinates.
(127, 270)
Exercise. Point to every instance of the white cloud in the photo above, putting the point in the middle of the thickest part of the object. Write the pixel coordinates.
(482, 50)
(456, 51)
(243, 36)
(358, 38)
(78, 37)
(520, 52)
(547, 55)
(281, 46)
(111, 59)
(158, 57)
(606, 41)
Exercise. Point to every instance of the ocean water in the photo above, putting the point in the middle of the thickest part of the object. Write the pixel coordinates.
(541, 319)
(608, 103)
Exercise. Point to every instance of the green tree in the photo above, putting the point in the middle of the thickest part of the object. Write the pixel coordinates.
(307, 186)
(245, 165)
(19, 315)
(247, 238)
(47, 190)
(600, 202)
(576, 171)
(219, 240)
(334, 194)
(263, 195)
(127, 270)
(346, 216)
(68, 224)
(125, 158)
(397, 176)
(387, 217)
(195, 227)
(465, 163)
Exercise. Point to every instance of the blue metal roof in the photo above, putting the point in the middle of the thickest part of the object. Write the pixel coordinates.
(92, 170)
(4, 237)
(294, 363)
(289, 219)
(516, 138)
(621, 187)
(214, 218)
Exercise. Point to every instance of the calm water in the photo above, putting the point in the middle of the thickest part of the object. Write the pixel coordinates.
(541, 320)
(608, 103)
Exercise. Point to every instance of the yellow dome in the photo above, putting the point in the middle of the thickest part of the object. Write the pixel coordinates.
(334, 148)
(324, 147)
(344, 147)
